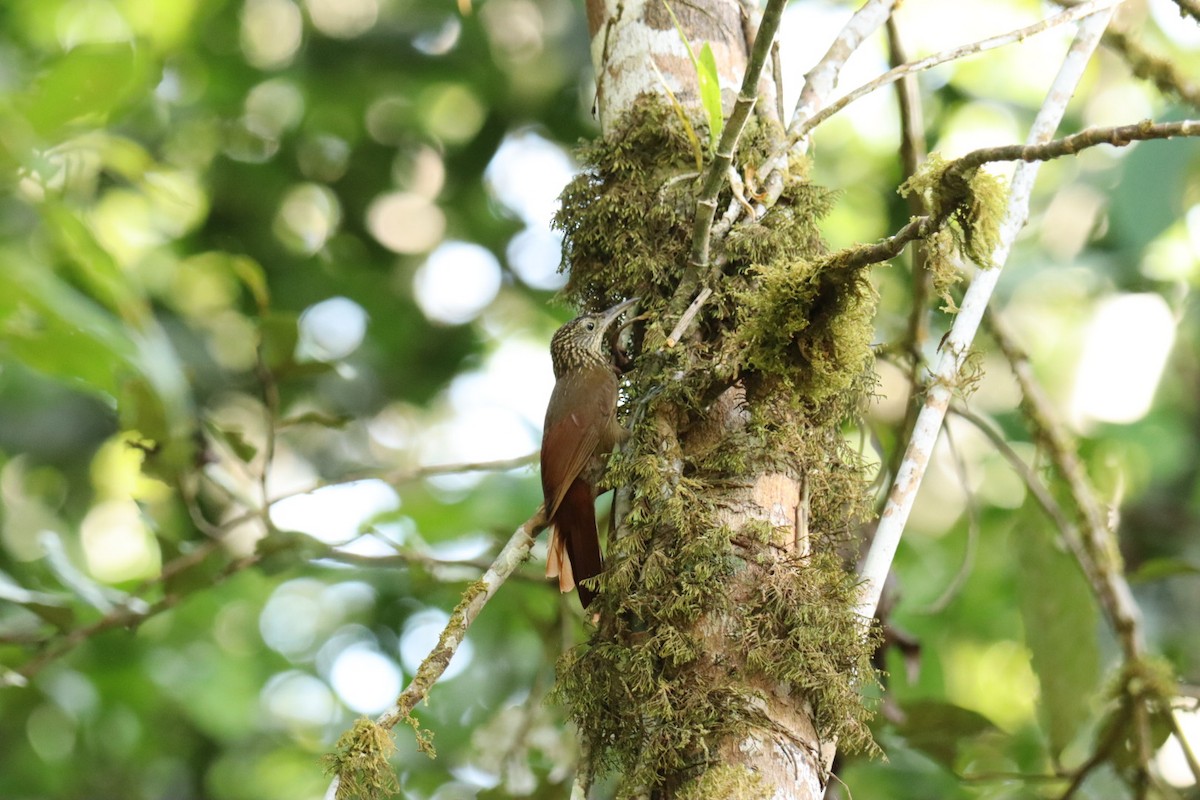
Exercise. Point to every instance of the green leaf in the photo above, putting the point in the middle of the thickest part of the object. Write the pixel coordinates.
(707, 79)
(938, 729)
(1060, 621)
(710, 93)
(1157, 569)
(88, 84)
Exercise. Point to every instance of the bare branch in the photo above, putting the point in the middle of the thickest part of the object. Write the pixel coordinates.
(800, 128)
(923, 227)
(822, 78)
(937, 400)
(510, 557)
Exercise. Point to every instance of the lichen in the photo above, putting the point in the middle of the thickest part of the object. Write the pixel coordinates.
(786, 345)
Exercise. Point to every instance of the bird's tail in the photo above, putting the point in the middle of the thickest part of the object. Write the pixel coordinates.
(574, 544)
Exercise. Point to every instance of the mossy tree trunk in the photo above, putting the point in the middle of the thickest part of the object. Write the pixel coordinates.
(727, 655)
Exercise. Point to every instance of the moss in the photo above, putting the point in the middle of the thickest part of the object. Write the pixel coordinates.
(360, 761)
(727, 782)
(791, 339)
(973, 203)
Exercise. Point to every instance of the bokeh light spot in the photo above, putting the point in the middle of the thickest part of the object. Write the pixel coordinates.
(271, 32)
(308, 216)
(117, 544)
(451, 112)
(405, 222)
(343, 19)
(456, 282)
(1125, 350)
(335, 514)
(365, 679)
(332, 329)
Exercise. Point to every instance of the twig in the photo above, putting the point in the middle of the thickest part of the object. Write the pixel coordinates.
(121, 616)
(968, 562)
(510, 557)
(688, 316)
(800, 128)
(1112, 588)
(1189, 7)
(937, 400)
(1165, 76)
(820, 81)
(392, 478)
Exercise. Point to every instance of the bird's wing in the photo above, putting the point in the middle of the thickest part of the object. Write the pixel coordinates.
(579, 414)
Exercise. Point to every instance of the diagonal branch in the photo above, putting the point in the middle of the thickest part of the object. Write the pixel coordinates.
(954, 352)
(801, 127)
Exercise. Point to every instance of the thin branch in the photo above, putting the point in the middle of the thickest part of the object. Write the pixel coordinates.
(1117, 136)
(1189, 7)
(937, 400)
(923, 227)
(394, 477)
(510, 557)
(821, 80)
(1165, 76)
(800, 128)
(964, 570)
(1097, 540)
(122, 616)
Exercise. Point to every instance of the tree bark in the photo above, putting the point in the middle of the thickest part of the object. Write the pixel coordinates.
(726, 650)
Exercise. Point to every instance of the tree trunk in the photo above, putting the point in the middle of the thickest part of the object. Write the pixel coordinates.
(726, 653)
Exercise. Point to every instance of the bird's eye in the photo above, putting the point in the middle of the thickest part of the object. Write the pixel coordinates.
(591, 326)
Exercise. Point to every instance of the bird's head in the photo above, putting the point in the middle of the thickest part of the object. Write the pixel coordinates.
(582, 340)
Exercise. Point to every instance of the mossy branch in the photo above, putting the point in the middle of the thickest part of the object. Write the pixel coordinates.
(362, 752)
(956, 175)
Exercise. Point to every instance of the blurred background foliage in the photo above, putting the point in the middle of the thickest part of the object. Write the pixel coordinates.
(314, 235)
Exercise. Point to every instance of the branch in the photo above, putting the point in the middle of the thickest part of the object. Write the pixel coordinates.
(820, 81)
(510, 557)
(126, 615)
(1190, 8)
(929, 421)
(800, 128)
(1108, 581)
(394, 477)
(956, 171)
(1165, 76)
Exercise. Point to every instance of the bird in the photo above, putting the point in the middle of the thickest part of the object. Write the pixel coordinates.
(581, 429)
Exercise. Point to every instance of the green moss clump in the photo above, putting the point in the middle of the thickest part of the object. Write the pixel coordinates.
(727, 782)
(972, 202)
(360, 762)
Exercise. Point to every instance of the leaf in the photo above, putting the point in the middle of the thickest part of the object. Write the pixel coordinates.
(938, 728)
(710, 93)
(1060, 621)
(1156, 569)
(88, 84)
(320, 418)
(707, 79)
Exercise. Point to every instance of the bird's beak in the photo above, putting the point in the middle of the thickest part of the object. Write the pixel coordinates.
(610, 316)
